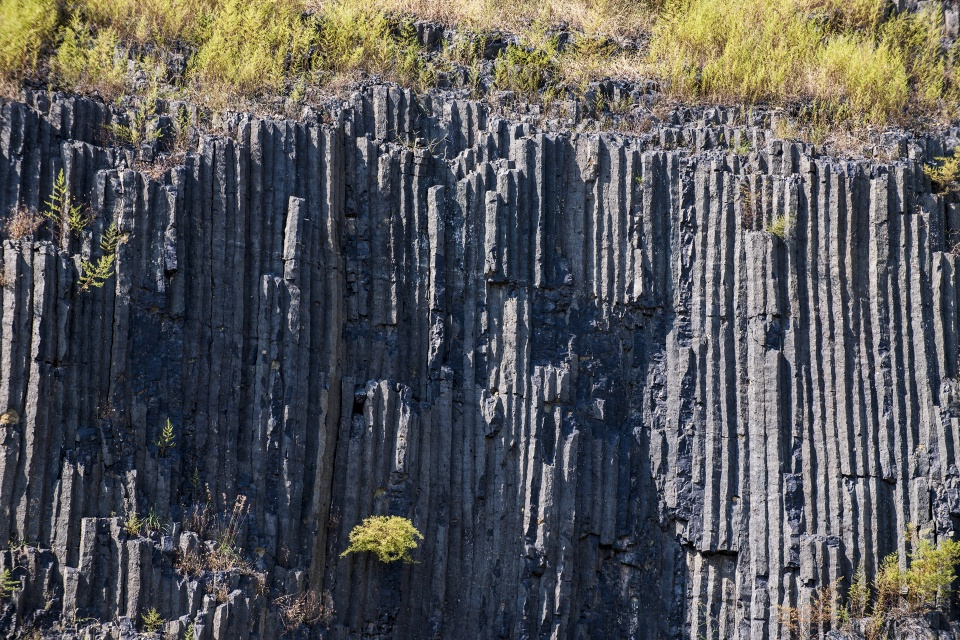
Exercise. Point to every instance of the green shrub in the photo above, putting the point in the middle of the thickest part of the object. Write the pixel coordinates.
(390, 537)
(166, 441)
(929, 580)
(249, 48)
(27, 27)
(8, 584)
(96, 274)
(152, 620)
(944, 173)
(782, 227)
(89, 62)
(527, 69)
(62, 213)
(859, 594)
(133, 525)
(357, 38)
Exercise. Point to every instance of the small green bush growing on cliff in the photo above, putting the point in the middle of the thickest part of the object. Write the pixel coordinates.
(166, 441)
(390, 537)
(152, 620)
(859, 594)
(782, 227)
(944, 174)
(527, 69)
(88, 61)
(933, 570)
(62, 213)
(133, 525)
(139, 128)
(8, 584)
(95, 274)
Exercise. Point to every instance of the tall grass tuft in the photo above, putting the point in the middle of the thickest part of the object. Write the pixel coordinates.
(27, 28)
(355, 38)
(89, 62)
(249, 48)
(869, 67)
(150, 21)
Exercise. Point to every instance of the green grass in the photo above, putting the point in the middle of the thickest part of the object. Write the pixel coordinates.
(526, 69)
(856, 61)
(355, 38)
(944, 174)
(253, 47)
(26, 30)
(843, 55)
(88, 62)
(150, 21)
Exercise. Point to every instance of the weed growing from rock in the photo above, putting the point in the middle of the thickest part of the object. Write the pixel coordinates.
(391, 538)
(152, 622)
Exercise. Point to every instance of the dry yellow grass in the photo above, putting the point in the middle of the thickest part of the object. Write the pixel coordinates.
(854, 60)
(26, 28)
(848, 58)
(23, 223)
(609, 17)
(149, 21)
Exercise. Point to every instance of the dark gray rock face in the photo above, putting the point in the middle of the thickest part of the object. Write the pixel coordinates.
(615, 406)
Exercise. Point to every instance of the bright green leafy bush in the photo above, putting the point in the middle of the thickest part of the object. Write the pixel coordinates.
(390, 537)
(152, 621)
(944, 173)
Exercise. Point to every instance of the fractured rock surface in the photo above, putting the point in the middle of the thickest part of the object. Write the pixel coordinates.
(613, 403)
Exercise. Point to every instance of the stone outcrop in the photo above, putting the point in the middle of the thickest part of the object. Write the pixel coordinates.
(615, 405)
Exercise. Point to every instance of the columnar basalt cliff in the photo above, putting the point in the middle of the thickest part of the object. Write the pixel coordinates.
(615, 405)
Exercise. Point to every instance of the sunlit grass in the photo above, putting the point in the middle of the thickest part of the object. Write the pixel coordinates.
(250, 48)
(26, 28)
(847, 56)
(857, 60)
